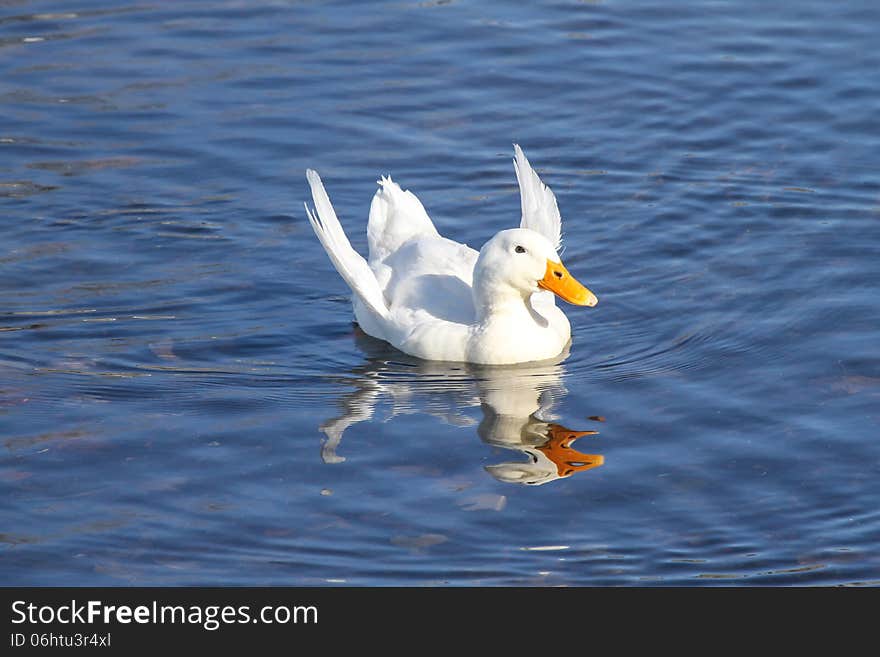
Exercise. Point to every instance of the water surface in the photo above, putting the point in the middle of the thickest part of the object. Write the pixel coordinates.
(185, 400)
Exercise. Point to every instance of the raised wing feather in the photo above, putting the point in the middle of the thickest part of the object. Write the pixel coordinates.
(539, 210)
(348, 262)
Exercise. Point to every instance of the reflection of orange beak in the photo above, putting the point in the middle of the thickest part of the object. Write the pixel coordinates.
(560, 282)
(568, 461)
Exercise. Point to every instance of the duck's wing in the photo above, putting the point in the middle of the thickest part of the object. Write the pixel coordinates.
(348, 262)
(396, 216)
(430, 276)
(539, 210)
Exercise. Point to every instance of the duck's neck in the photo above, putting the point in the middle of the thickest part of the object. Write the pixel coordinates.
(496, 301)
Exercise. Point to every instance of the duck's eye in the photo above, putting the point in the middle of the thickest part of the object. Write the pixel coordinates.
(520, 249)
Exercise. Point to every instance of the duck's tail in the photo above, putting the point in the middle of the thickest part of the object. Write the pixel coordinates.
(395, 217)
(350, 265)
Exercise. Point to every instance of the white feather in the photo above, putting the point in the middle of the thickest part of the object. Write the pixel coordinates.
(348, 262)
(396, 216)
(539, 210)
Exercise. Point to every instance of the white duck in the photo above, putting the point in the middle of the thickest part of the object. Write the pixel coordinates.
(436, 299)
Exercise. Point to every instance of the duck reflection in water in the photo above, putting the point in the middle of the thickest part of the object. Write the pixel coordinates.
(516, 402)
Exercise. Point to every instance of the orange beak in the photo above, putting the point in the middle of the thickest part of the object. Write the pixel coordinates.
(560, 282)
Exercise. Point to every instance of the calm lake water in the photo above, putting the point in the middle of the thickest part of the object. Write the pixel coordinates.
(184, 398)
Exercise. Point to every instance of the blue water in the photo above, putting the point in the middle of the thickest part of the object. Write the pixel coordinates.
(184, 398)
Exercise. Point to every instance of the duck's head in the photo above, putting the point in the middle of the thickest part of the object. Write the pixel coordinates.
(519, 262)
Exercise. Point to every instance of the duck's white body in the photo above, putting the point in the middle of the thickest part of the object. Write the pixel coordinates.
(436, 299)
